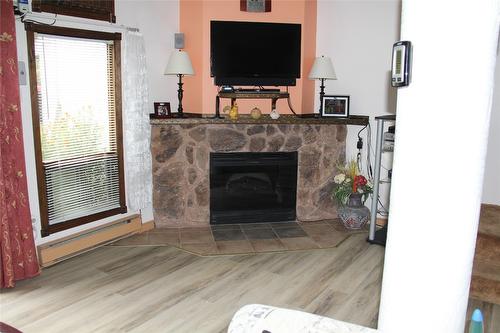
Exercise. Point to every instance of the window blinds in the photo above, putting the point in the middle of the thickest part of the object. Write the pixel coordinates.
(76, 99)
(96, 9)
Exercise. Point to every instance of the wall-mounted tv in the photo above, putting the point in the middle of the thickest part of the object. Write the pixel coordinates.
(254, 53)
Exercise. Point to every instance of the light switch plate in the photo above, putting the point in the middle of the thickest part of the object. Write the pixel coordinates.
(22, 73)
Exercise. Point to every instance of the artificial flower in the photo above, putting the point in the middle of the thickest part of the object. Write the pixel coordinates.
(350, 181)
(339, 179)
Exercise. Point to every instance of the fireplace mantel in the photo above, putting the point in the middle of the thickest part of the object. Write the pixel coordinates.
(264, 119)
(181, 149)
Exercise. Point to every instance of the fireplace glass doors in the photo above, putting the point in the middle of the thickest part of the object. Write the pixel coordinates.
(253, 187)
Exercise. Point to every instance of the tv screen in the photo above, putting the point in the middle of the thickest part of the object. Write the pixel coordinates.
(254, 53)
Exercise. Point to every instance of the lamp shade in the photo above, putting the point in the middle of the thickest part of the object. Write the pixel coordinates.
(322, 69)
(179, 63)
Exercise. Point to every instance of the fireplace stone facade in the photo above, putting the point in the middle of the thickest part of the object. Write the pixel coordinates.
(180, 152)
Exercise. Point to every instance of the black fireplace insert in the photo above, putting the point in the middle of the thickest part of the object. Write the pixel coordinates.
(253, 187)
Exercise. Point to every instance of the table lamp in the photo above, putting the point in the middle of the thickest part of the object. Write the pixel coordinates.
(322, 69)
(179, 64)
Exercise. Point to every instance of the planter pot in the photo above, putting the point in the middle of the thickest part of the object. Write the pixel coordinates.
(354, 215)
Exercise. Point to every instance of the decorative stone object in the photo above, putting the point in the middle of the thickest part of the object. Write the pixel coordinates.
(274, 114)
(226, 109)
(233, 113)
(181, 164)
(255, 113)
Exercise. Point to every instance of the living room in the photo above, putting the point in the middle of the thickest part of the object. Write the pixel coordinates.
(358, 37)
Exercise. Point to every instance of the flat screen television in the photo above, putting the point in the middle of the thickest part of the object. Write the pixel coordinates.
(254, 53)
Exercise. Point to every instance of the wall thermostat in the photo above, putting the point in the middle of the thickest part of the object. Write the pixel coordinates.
(401, 64)
(22, 7)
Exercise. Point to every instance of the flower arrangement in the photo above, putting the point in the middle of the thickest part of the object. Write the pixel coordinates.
(350, 181)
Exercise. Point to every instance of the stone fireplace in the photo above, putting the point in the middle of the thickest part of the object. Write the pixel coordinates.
(181, 162)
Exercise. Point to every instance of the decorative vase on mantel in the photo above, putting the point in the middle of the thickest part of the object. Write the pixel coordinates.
(354, 215)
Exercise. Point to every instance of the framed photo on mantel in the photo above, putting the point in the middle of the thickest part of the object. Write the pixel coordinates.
(162, 109)
(335, 106)
(255, 6)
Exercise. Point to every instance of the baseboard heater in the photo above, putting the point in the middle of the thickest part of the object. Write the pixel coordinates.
(61, 249)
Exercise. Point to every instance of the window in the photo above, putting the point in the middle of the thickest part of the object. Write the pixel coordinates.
(76, 106)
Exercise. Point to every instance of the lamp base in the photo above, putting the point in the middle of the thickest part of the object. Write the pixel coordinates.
(217, 116)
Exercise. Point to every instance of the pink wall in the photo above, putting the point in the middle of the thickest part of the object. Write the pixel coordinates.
(308, 55)
(195, 17)
(191, 26)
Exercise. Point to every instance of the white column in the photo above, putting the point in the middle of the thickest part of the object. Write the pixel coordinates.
(441, 139)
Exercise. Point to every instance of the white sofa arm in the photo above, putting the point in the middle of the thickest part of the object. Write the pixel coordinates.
(257, 318)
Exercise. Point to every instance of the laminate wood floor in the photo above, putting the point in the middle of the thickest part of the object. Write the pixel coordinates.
(164, 289)
(485, 284)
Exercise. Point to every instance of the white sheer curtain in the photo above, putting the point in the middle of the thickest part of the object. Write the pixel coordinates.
(137, 129)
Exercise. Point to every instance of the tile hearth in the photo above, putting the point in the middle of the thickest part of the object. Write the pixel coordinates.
(246, 238)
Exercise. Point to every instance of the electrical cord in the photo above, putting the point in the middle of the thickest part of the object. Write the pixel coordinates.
(359, 145)
(361, 130)
(20, 16)
(289, 102)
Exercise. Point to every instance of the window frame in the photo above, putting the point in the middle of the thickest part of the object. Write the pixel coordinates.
(31, 29)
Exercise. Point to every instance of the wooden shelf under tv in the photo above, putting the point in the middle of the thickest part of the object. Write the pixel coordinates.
(254, 94)
(262, 94)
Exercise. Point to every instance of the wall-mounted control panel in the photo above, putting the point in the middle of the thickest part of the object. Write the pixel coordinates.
(401, 64)
(22, 7)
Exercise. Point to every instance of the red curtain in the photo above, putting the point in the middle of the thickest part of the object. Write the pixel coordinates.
(17, 248)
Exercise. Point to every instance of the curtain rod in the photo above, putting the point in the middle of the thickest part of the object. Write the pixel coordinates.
(57, 18)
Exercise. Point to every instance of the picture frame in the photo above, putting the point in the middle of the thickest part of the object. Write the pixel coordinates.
(336, 106)
(162, 109)
(255, 6)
